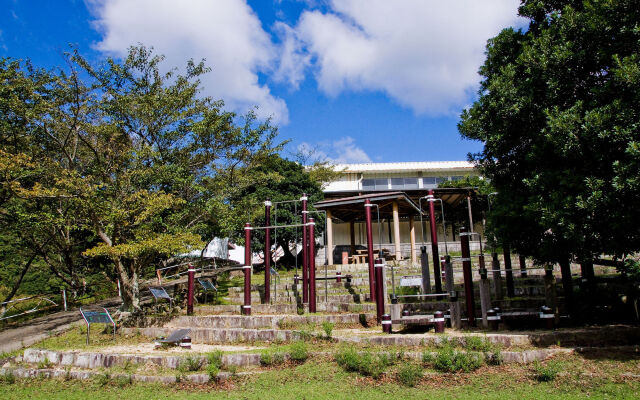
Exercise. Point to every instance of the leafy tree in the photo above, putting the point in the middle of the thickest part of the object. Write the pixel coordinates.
(558, 113)
(288, 180)
(128, 165)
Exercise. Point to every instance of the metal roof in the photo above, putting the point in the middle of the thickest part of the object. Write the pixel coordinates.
(405, 166)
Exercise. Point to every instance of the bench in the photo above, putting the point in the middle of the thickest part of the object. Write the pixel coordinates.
(175, 338)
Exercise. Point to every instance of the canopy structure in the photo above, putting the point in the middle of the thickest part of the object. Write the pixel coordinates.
(391, 205)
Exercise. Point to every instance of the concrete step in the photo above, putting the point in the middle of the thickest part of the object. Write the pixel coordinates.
(287, 308)
(263, 321)
(223, 335)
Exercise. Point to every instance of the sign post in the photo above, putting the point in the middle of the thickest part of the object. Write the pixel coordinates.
(97, 317)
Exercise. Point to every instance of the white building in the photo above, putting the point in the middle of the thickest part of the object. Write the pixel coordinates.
(398, 190)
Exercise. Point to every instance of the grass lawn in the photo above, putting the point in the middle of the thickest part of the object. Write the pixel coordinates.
(324, 379)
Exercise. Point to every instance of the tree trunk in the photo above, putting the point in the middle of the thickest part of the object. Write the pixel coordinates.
(18, 283)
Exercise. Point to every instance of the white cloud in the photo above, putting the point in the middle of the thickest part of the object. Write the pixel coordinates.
(423, 54)
(341, 151)
(227, 33)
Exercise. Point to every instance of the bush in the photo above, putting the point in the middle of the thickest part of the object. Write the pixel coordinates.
(477, 343)
(268, 358)
(427, 357)
(348, 358)
(212, 371)
(364, 363)
(8, 378)
(327, 327)
(449, 360)
(547, 373)
(410, 374)
(190, 364)
(125, 380)
(299, 352)
(45, 364)
(215, 358)
(103, 379)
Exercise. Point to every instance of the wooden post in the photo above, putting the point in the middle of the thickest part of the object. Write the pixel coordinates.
(412, 236)
(329, 238)
(352, 236)
(424, 263)
(485, 292)
(396, 230)
(497, 276)
(454, 303)
(550, 290)
(508, 270)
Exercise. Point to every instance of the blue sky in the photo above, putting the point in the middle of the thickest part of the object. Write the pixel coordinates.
(355, 80)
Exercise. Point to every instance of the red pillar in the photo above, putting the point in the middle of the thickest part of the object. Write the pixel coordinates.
(379, 284)
(246, 308)
(191, 277)
(367, 213)
(305, 255)
(434, 242)
(312, 266)
(468, 278)
(267, 252)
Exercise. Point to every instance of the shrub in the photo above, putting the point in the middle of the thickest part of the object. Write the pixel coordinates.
(8, 378)
(212, 371)
(125, 380)
(547, 373)
(103, 379)
(190, 364)
(477, 343)
(305, 334)
(410, 374)
(427, 357)
(347, 357)
(494, 357)
(45, 364)
(268, 358)
(327, 327)
(299, 352)
(364, 363)
(215, 358)
(449, 360)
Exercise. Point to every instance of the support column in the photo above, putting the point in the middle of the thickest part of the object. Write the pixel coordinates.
(329, 238)
(267, 252)
(508, 270)
(305, 252)
(424, 263)
(470, 214)
(434, 242)
(367, 214)
(412, 237)
(523, 266)
(454, 303)
(468, 278)
(312, 266)
(567, 285)
(485, 292)
(396, 230)
(497, 277)
(379, 284)
(246, 308)
(352, 237)
(190, 288)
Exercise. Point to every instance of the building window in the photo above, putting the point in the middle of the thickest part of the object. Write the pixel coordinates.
(429, 180)
(375, 184)
(457, 178)
(404, 183)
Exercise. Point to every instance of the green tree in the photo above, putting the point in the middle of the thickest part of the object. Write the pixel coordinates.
(558, 113)
(288, 180)
(128, 165)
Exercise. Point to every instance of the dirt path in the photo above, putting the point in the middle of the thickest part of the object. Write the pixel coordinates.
(37, 329)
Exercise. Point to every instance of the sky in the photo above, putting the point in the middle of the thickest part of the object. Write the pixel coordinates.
(352, 81)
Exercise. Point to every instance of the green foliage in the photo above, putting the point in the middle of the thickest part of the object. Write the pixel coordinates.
(215, 358)
(110, 170)
(558, 114)
(190, 364)
(548, 372)
(124, 380)
(409, 374)
(298, 351)
(8, 378)
(365, 363)
(327, 327)
(448, 359)
(103, 379)
(271, 358)
(45, 364)
(213, 370)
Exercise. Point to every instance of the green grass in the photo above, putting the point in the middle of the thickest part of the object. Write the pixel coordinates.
(76, 338)
(322, 380)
